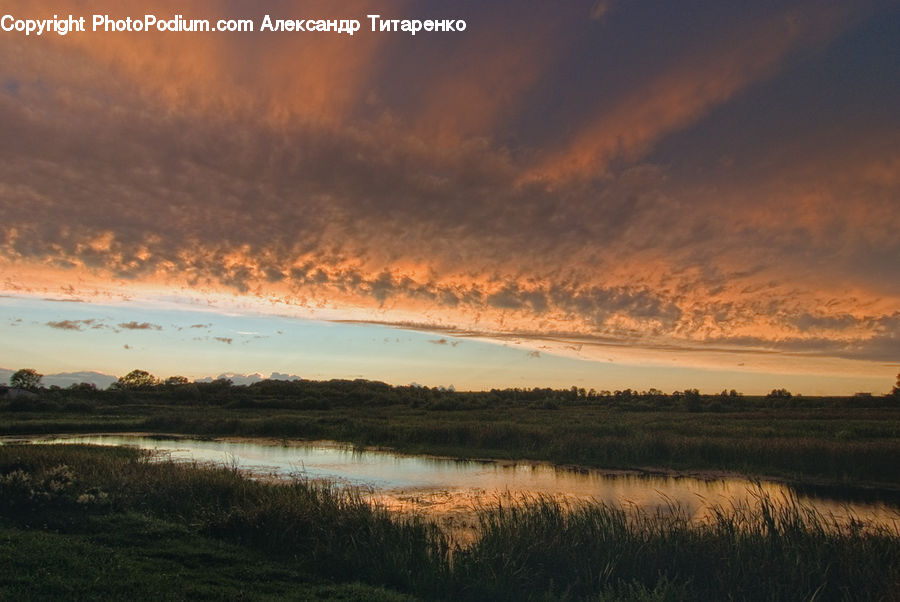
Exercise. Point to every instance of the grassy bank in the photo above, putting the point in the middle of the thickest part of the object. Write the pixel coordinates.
(846, 441)
(83, 521)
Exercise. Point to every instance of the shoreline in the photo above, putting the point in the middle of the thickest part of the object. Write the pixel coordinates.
(807, 485)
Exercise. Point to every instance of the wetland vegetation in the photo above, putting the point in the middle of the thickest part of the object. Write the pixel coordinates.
(88, 522)
(840, 441)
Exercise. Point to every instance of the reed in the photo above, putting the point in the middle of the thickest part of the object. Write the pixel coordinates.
(540, 548)
(838, 441)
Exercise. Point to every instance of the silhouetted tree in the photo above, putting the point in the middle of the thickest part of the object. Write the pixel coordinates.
(136, 379)
(26, 378)
(176, 380)
(82, 387)
(896, 391)
(779, 394)
(690, 399)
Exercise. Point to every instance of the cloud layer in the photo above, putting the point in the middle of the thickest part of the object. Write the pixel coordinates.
(529, 184)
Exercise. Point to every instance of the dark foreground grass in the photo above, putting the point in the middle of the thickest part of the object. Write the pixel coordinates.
(132, 556)
(86, 522)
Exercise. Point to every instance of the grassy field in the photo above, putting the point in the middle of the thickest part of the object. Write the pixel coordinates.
(80, 522)
(836, 441)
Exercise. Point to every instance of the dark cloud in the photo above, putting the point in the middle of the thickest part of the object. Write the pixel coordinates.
(601, 9)
(809, 322)
(193, 184)
(133, 325)
(70, 324)
(226, 340)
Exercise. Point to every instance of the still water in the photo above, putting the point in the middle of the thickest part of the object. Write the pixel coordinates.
(449, 490)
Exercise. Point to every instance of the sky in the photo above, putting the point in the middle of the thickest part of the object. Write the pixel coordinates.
(607, 194)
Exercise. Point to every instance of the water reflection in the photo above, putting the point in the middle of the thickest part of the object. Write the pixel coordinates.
(450, 490)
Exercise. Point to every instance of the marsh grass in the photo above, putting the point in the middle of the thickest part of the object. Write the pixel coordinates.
(751, 551)
(322, 529)
(804, 441)
(540, 549)
(131, 556)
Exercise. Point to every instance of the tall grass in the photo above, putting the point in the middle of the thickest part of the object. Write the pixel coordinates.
(763, 551)
(330, 531)
(541, 549)
(816, 444)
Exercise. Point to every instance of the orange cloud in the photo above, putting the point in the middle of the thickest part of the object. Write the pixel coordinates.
(703, 79)
(240, 170)
(481, 84)
(282, 77)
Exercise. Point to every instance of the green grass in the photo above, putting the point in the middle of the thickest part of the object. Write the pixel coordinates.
(137, 557)
(81, 522)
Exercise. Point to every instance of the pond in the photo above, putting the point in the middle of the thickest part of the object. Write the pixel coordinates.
(451, 490)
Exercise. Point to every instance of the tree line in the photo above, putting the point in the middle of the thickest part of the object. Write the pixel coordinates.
(143, 381)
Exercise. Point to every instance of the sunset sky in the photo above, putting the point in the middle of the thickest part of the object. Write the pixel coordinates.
(606, 194)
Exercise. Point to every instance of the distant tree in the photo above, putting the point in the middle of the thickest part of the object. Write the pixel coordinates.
(26, 378)
(896, 391)
(176, 380)
(82, 387)
(690, 400)
(136, 379)
(779, 394)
